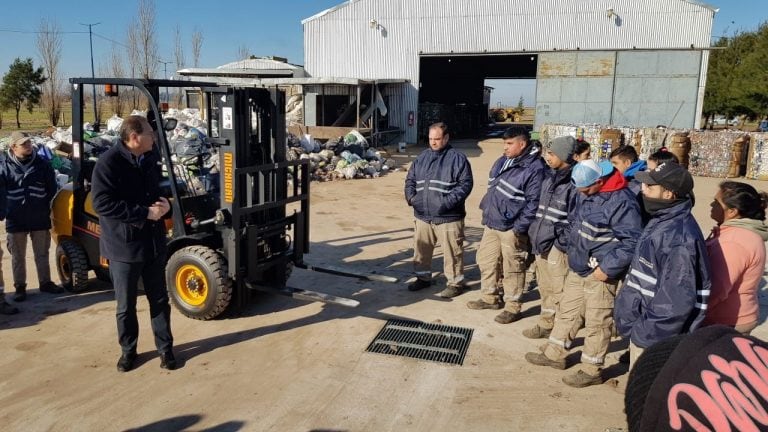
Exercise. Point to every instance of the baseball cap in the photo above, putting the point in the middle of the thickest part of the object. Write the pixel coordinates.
(18, 138)
(587, 172)
(671, 176)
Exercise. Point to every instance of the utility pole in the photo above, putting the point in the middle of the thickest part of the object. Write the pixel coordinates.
(165, 69)
(93, 75)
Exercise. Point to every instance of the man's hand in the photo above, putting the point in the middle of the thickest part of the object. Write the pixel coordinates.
(600, 275)
(158, 209)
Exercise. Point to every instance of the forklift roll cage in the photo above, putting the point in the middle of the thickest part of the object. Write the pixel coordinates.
(247, 221)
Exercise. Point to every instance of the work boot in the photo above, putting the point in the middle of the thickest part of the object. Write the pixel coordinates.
(539, 359)
(451, 291)
(481, 304)
(582, 379)
(506, 317)
(419, 284)
(21, 293)
(5, 308)
(537, 332)
(126, 362)
(51, 288)
(168, 361)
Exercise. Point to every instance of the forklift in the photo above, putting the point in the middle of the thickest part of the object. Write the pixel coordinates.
(239, 209)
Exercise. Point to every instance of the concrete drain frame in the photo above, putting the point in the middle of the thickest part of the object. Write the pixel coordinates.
(422, 341)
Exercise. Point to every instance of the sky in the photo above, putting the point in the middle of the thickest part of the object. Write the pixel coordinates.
(265, 27)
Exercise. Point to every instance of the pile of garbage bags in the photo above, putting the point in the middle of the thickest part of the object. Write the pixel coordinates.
(344, 158)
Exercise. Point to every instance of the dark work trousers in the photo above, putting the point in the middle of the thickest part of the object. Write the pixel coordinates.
(125, 279)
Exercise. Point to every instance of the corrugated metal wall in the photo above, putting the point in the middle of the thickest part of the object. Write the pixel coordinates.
(344, 43)
(638, 88)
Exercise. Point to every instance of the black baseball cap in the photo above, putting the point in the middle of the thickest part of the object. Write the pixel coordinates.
(673, 177)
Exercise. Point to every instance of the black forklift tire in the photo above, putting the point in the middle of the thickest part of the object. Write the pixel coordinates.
(197, 282)
(72, 266)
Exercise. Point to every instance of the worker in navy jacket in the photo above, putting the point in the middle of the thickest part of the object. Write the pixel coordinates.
(549, 232)
(509, 207)
(437, 185)
(29, 183)
(126, 195)
(666, 290)
(604, 228)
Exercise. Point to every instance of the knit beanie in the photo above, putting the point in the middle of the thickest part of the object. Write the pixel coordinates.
(563, 147)
(712, 379)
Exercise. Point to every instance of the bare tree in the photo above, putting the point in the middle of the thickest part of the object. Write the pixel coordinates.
(197, 45)
(116, 64)
(243, 52)
(133, 55)
(178, 52)
(49, 47)
(147, 33)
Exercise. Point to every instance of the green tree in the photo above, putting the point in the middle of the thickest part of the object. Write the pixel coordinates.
(21, 87)
(737, 79)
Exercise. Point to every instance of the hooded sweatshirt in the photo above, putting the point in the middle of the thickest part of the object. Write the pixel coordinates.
(737, 260)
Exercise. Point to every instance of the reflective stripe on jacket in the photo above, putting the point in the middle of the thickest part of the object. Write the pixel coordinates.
(437, 185)
(550, 228)
(668, 283)
(513, 192)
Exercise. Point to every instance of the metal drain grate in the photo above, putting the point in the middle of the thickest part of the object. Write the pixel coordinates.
(419, 340)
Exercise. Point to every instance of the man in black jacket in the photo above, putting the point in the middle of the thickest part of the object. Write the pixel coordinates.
(437, 184)
(29, 183)
(126, 195)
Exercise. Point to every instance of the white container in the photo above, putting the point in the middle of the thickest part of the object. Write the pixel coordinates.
(401, 147)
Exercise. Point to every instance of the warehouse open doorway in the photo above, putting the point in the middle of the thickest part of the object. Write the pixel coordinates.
(453, 88)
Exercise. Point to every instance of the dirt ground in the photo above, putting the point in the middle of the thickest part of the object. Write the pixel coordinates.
(287, 365)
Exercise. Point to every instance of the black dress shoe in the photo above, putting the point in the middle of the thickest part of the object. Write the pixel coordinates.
(167, 361)
(126, 362)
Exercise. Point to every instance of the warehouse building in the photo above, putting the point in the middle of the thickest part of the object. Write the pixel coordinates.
(622, 62)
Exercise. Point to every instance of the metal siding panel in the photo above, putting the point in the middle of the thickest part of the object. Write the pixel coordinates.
(341, 43)
(599, 89)
(640, 63)
(654, 90)
(559, 64)
(573, 112)
(595, 63)
(448, 26)
(574, 90)
(628, 90)
(683, 89)
(548, 89)
(598, 112)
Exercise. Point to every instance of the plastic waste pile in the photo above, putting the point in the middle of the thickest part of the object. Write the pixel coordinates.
(344, 158)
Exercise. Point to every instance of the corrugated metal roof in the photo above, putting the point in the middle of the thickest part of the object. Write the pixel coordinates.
(262, 63)
(347, 3)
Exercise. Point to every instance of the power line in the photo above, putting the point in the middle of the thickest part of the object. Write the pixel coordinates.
(5, 30)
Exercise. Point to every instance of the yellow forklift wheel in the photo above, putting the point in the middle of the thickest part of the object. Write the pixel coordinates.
(192, 285)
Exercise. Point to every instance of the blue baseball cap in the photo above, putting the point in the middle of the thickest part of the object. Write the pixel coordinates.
(587, 172)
